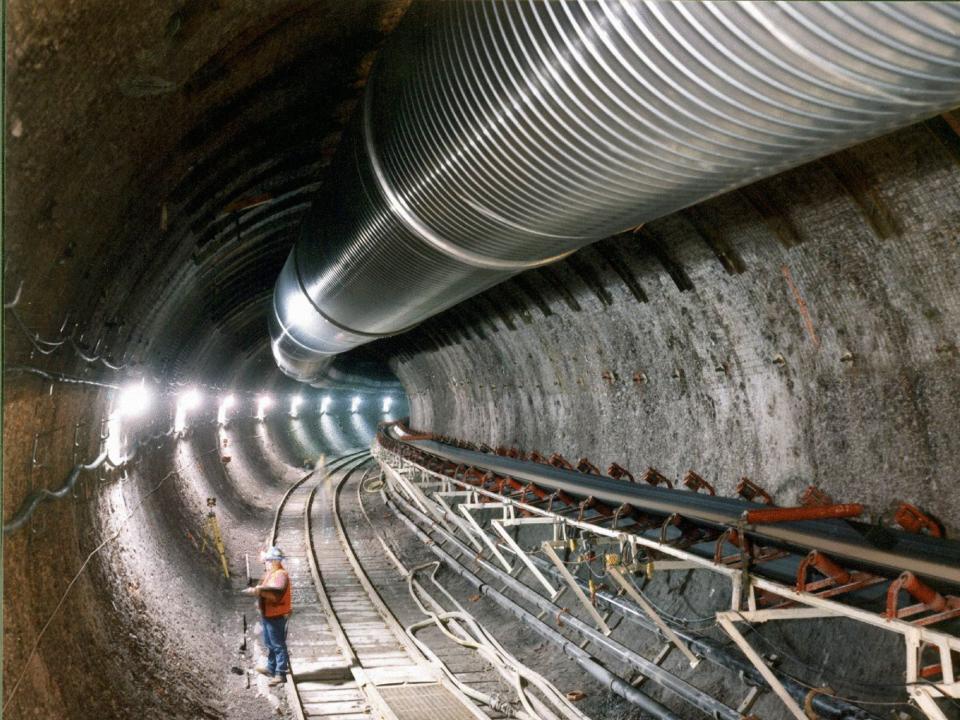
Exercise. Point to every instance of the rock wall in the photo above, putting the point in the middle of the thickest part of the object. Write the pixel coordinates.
(802, 330)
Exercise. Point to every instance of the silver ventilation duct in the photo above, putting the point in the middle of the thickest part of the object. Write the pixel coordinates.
(499, 136)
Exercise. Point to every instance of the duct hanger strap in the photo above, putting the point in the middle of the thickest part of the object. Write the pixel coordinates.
(414, 224)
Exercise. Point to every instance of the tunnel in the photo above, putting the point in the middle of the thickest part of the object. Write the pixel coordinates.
(586, 359)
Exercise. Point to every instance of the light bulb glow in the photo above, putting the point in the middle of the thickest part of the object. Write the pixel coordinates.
(324, 405)
(264, 402)
(134, 400)
(355, 404)
(387, 402)
(186, 401)
(190, 399)
(295, 403)
(226, 403)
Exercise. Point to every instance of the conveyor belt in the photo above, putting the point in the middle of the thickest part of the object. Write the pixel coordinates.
(865, 545)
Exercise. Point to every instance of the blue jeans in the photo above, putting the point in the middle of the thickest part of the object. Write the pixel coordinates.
(275, 638)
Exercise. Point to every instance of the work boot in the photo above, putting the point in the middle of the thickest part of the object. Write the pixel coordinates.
(277, 680)
(263, 671)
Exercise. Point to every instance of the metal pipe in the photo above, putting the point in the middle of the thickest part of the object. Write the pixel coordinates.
(825, 706)
(495, 137)
(697, 698)
(582, 658)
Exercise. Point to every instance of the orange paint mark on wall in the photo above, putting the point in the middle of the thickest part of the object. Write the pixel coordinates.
(802, 304)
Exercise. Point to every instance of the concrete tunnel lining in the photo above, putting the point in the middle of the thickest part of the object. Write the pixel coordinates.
(801, 330)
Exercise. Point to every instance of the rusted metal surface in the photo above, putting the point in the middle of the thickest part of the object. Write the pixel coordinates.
(584, 465)
(792, 514)
(749, 490)
(932, 608)
(815, 497)
(618, 472)
(696, 483)
(654, 477)
(913, 519)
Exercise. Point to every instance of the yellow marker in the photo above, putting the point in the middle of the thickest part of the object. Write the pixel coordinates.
(213, 531)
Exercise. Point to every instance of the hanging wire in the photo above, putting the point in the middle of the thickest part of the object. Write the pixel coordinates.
(48, 347)
(847, 679)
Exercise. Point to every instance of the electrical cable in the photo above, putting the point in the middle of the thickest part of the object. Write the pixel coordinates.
(842, 678)
(488, 647)
(684, 622)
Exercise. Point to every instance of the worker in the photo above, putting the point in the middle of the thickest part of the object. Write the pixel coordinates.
(274, 602)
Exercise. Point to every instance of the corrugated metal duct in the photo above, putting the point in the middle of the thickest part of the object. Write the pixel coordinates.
(499, 136)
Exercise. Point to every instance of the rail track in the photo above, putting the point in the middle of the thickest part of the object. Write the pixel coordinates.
(350, 658)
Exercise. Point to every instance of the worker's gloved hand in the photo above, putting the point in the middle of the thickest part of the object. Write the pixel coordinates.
(249, 591)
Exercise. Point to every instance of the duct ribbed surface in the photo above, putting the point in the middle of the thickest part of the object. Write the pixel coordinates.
(498, 136)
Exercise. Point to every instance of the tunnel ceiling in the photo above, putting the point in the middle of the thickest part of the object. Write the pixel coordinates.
(161, 157)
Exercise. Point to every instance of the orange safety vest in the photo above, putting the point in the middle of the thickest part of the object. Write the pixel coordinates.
(269, 607)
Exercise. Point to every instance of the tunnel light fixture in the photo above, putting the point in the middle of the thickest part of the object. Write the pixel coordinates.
(134, 400)
(325, 404)
(355, 404)
(190, 399)
(186, 401)
(387, 402)
(226, 403)
(264, 403)
(295, 403)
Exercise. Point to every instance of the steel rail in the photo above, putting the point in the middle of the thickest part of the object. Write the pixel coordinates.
(346, 647)
(365, 661)
(391, 621)
(934, 558)
(339, 461)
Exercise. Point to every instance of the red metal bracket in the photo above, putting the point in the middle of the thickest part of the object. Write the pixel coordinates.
(944, 607)
(914, 520)
(834, 573)
(585, 466)
(697, 483)
(749, 490)
(733, 537)
(815, 497)
(655, 477)
(618, 472)
(559, 461)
